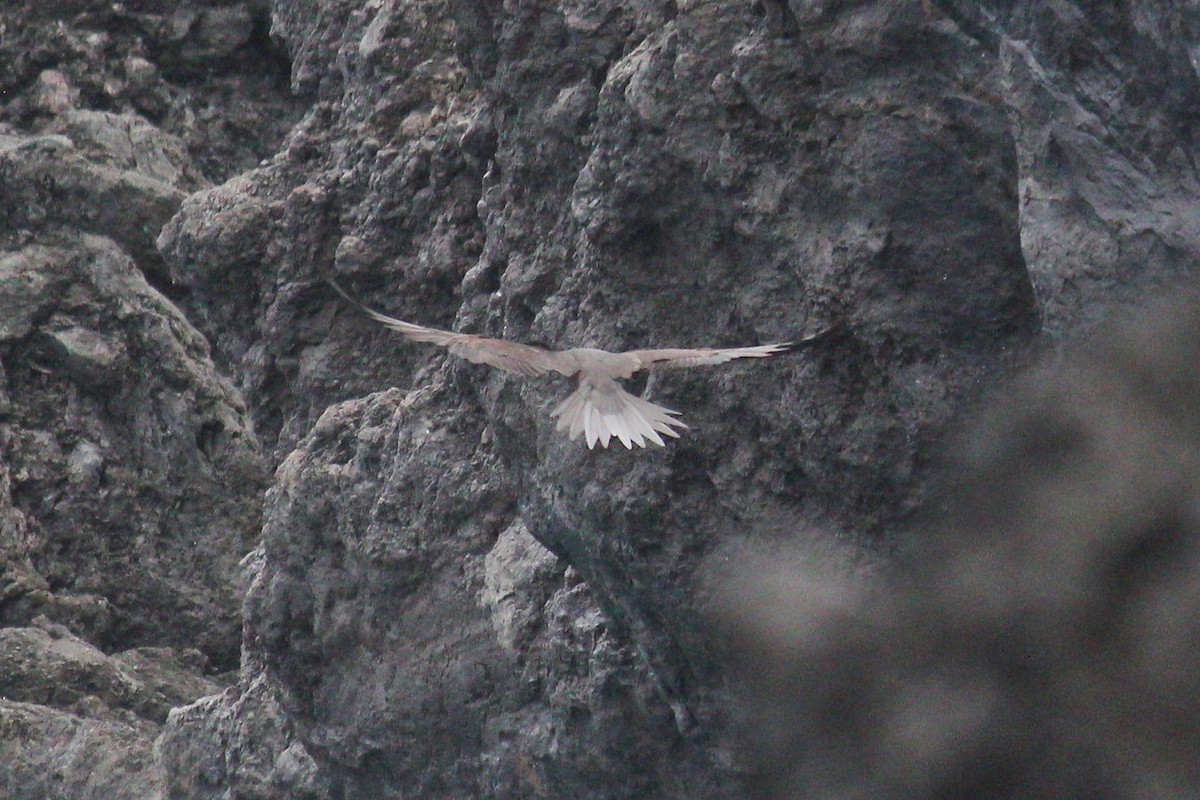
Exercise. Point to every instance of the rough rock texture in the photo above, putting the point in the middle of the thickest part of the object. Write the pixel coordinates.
(49, 753)
(1103, 98)
(202, 72)
(1043, 644)
(132, 465)
(77, 723)
(593, 176)
(449, 598)
(130, 474)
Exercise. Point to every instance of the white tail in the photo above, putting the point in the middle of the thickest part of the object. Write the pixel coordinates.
(601, 410)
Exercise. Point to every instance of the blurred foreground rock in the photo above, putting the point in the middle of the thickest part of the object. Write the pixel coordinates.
(1043, 643)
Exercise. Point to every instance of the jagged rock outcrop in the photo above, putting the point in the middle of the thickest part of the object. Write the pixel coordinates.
(1102, 102)
(131, 478)
(78, 722)
(131, 464)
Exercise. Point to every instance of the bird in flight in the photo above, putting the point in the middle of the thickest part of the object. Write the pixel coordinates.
(599, 409)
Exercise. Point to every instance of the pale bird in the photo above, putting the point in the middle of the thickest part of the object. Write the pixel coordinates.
(599, 409)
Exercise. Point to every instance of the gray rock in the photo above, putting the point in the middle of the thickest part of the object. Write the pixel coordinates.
(50, 753)
(234, 744)
(130, 479)
(85, 464)
(90, 358)
(1101, 103)
(217, 32)
(26, 286)
(176, 505)
(49, 183)
(515, 571)
(75, 722)
(49, 666)
(216, 82)
(53, 94)
(129, 142)
(495, 680)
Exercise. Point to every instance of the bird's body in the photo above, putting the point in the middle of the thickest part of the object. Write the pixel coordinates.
(599, 409)
(600, 362)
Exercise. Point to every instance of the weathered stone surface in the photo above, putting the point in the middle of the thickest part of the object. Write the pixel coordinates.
(130, 476)
(362, 205)
(234, 744)
(204, 74)
(515, 572)
(131, 461)
(49, 753)
(75, 722)
(49, 666)
(48, 181)
(609, 175)
(1103, 103)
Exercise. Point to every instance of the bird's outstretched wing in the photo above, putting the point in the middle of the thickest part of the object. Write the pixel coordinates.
(672, 358)
(523, 359)
(599, 410)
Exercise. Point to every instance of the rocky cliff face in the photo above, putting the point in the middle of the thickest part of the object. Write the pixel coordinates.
(443, 596)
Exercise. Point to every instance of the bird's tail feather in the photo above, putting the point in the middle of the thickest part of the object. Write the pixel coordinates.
(600, 410)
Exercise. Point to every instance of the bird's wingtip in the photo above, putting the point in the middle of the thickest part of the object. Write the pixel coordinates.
(811, 338)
